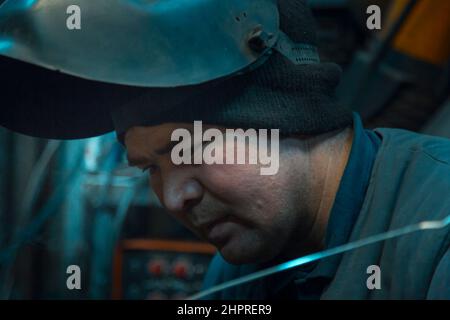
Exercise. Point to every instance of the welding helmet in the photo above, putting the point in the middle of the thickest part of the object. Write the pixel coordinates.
(65, 64)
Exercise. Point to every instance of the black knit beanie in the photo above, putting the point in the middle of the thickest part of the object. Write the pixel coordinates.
(280, 95)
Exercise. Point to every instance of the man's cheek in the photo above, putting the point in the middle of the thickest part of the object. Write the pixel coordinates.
(230, 178)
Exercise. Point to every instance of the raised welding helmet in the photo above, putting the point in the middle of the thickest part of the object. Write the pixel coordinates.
(80, 68)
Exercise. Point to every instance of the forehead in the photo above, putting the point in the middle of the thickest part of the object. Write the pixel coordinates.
(141, 140)
(152, 133)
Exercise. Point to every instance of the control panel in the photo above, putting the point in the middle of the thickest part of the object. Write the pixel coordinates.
(159, 269)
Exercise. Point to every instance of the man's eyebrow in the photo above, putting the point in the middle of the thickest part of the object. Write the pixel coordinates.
(170, 145)
(134, 161)
(140, 160)
(166, 149)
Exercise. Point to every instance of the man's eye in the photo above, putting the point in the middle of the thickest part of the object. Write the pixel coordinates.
(150, 169)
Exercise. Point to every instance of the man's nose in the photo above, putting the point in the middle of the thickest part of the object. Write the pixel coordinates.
(181, 193)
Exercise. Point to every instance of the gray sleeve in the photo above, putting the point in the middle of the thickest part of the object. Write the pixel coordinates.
(440, 283)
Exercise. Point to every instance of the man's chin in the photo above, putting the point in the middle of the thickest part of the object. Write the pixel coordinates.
(239, 253)
(238, 244)
(226, 235)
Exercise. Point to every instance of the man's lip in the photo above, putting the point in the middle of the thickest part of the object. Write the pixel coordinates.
(216, 233)
(209, 225)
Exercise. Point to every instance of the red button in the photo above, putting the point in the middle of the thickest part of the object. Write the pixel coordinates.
(156, 267)
(180, 270)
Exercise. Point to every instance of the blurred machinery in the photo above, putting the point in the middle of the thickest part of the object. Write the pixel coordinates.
(79, 204)
(401, 78)
(342, 27)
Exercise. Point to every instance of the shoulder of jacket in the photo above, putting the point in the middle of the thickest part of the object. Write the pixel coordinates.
(437, 148)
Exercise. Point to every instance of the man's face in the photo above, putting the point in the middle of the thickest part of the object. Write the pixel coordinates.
(249, 217)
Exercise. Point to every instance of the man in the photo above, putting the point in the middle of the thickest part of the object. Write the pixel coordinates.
(336, 181)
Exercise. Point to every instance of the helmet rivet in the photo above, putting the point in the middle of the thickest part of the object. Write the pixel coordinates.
(258, 39)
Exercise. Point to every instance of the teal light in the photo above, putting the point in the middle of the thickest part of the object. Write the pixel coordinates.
(299, 261)
(29, 3)
(5, 45)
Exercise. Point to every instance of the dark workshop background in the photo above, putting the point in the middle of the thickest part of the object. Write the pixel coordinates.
(77, 203)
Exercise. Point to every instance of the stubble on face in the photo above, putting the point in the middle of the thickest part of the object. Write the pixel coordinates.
(250, 218)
